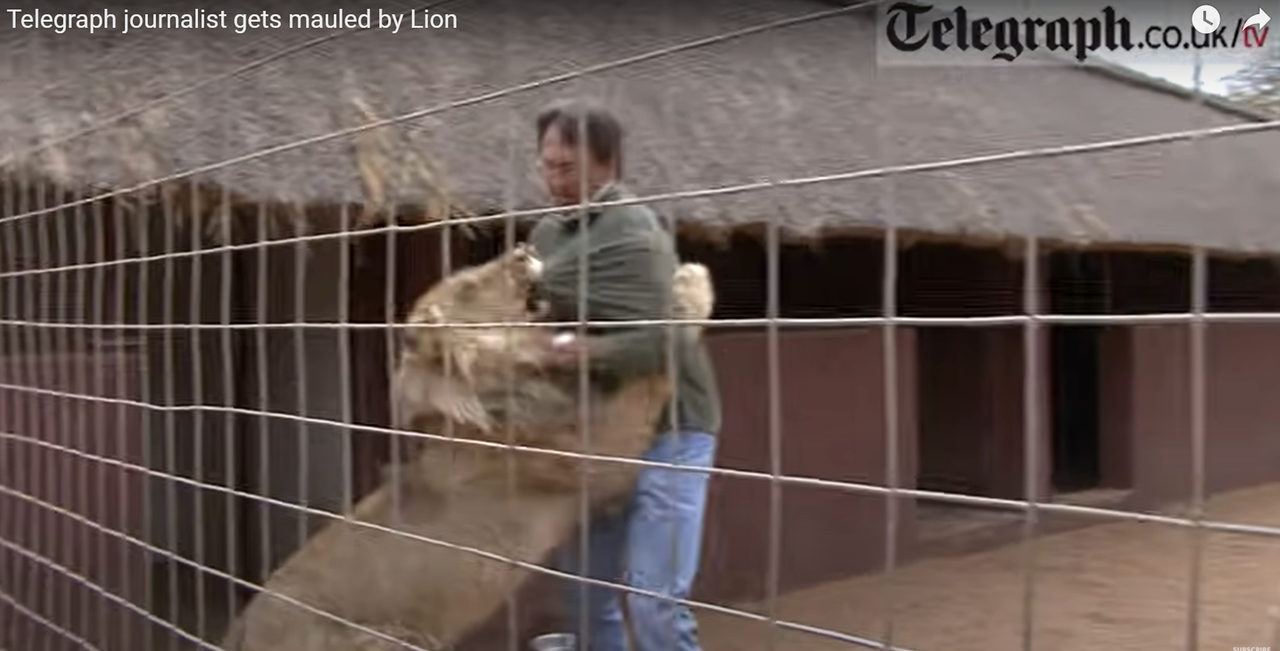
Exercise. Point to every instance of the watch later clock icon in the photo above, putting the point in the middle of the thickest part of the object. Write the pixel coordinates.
(1205, 19)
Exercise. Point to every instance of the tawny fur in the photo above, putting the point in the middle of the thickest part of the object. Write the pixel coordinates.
(447, 371)
(486, 379)
(695, 295)
(427, 594)
(518, 506)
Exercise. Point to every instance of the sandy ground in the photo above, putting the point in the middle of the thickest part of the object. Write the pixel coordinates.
(1109, 586)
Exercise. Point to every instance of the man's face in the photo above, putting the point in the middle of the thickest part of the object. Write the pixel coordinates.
(564, 164)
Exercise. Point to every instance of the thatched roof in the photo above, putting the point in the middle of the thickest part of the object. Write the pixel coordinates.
(796, 101)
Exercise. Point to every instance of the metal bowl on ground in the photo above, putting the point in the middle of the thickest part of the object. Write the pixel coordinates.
(554, 642)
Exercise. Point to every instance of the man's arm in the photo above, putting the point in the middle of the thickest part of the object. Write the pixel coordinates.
(638, 350)
(538, 234)
(629, 353)
(627, 280)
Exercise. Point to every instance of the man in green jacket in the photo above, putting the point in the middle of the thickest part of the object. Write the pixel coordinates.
(653, 544)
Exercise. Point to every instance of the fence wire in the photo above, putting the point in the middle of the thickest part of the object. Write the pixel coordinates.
(105, 368)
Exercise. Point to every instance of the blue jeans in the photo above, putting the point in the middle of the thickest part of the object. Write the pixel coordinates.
(654, 545)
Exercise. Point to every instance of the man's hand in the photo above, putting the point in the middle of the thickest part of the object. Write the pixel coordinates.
(565, 351)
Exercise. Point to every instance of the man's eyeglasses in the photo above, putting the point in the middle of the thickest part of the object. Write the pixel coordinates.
(560, 168)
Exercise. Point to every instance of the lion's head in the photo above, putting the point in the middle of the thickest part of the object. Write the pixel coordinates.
(443, 364)
(499, 291)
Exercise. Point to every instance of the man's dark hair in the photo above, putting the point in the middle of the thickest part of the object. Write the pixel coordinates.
(603, 131)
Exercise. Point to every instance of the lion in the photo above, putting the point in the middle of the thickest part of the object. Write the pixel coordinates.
(428, 565)
(443, 370)
(482, 378)
(423, 569)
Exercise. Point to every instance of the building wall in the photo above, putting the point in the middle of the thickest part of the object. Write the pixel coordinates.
(1148, 373)
(63, 509)
(197, 378)
(228, 412)
(80, 457)
(280, 376)
(1152, 367)
(294, 461)
(183, 374)
(971, 377)
(832, 427)
(275, 377)
(968, 391)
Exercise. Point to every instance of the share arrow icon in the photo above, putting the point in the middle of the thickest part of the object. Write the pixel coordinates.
(1260, 19)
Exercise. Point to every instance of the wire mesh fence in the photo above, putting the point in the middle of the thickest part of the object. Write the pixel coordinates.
(194, 385)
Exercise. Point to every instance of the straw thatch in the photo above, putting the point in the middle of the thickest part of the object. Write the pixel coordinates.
(797, 101)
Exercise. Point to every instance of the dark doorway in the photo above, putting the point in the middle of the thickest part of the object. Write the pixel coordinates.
(1077, 285)
(488, 240)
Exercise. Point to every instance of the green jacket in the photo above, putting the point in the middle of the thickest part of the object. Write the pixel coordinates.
(631, 260)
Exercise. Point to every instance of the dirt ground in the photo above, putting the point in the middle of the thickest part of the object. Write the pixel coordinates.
(1109, 586)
